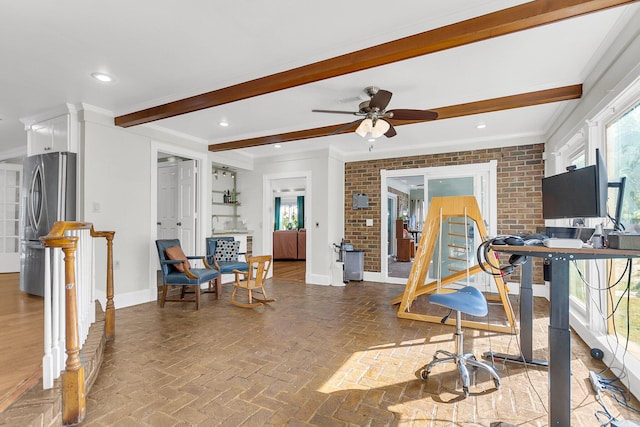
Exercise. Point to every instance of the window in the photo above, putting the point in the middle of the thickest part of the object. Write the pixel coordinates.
(623, 157)
(577, 288)
(288, 216)
(10, 182)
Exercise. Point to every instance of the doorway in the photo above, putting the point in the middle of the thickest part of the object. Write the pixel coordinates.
(287, 234)
(184, 202)
(414, 188)
(177, 210)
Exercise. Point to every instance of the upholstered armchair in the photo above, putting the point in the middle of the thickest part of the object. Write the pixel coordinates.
(177, 271)
(223, 254)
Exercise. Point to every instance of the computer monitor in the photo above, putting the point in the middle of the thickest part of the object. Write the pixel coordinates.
(578, 193)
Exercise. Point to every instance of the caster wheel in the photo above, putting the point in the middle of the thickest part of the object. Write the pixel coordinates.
(496, 382)
(466, 391)
(424, 374)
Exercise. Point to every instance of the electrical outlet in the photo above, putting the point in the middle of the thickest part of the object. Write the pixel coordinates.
(116, 265)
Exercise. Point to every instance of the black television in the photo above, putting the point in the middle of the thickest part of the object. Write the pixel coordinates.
(578, 193)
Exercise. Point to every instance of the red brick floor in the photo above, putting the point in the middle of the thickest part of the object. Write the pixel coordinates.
(321, 356)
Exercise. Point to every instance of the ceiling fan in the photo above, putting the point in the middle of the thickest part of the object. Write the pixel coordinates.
(375, 119)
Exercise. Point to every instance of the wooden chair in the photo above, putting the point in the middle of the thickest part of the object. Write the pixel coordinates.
(253, 281)
(177, 271)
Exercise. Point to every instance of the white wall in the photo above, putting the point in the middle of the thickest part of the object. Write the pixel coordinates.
(116, 197)
(117, 193)
(324, 218)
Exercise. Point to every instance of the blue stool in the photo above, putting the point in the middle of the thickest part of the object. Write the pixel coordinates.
(470, 301)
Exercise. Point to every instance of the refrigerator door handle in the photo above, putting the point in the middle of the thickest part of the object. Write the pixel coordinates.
(35, 201)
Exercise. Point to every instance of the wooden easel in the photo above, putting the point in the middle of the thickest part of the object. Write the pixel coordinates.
(440, 209)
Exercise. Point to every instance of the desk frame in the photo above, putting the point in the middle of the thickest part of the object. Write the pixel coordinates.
(559, 332)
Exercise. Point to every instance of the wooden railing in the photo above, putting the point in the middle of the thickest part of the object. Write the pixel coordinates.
(71, 303)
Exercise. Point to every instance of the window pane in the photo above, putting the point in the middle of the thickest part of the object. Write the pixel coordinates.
(577, 288)
(288, 216)
(623, 155)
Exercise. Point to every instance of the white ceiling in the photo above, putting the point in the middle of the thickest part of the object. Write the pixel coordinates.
(162, 51)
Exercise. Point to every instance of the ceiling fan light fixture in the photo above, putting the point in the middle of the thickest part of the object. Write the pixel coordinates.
(365, 127)
(380, 128)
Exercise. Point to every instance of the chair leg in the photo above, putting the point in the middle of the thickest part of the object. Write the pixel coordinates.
(197, 292)
(464, 376)
(183, 291)
(164, 295)
(219, 287)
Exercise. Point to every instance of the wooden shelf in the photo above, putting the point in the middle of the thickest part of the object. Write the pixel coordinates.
(226, 204)
(221, 191)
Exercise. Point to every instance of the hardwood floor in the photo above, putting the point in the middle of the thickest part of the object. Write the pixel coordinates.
(290, 270)
(21, 334)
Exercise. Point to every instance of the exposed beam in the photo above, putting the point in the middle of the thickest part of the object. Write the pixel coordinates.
(496, 104)
(506, 21)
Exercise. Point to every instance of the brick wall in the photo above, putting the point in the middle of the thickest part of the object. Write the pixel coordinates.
(520, 171)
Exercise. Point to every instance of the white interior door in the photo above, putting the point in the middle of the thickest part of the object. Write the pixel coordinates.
(187, 211)
(168, 201)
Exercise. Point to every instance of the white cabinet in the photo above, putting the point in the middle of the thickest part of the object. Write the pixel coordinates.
(51, 135)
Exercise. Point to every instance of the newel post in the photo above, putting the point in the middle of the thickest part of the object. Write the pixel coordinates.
(110, 312)
(74, 405)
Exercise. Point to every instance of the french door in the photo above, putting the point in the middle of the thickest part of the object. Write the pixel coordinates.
(458, 237)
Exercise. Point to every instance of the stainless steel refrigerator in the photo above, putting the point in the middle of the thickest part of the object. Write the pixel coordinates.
(48, 195)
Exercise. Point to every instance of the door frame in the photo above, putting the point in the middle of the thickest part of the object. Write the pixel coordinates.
(268, 214)
(203, 222)
(473, 169)
(392, 232)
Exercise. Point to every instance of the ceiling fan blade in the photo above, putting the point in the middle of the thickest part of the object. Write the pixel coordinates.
(335, 111)
(345, 127)
(380, 100)
(391, 132)
(404, 114)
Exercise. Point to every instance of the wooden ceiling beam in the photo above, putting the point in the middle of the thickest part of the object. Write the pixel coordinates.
(502, 22)
(496, 104)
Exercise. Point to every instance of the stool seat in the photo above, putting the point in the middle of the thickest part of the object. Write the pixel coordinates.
(468, 300)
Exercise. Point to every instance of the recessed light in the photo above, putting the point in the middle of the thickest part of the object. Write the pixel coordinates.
(102, 77)
(481, 125)
(371, 140)
(277, 146)
(223, 123)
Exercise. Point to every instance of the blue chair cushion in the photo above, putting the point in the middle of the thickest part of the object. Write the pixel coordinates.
(204, 275)
(227, 267)
(467, 300)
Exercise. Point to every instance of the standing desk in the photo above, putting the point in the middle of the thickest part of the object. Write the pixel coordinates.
(559, 332)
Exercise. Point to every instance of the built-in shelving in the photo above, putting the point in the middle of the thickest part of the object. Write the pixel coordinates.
(221, 185)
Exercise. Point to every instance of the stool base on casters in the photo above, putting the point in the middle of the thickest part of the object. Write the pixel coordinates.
(463, 361)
